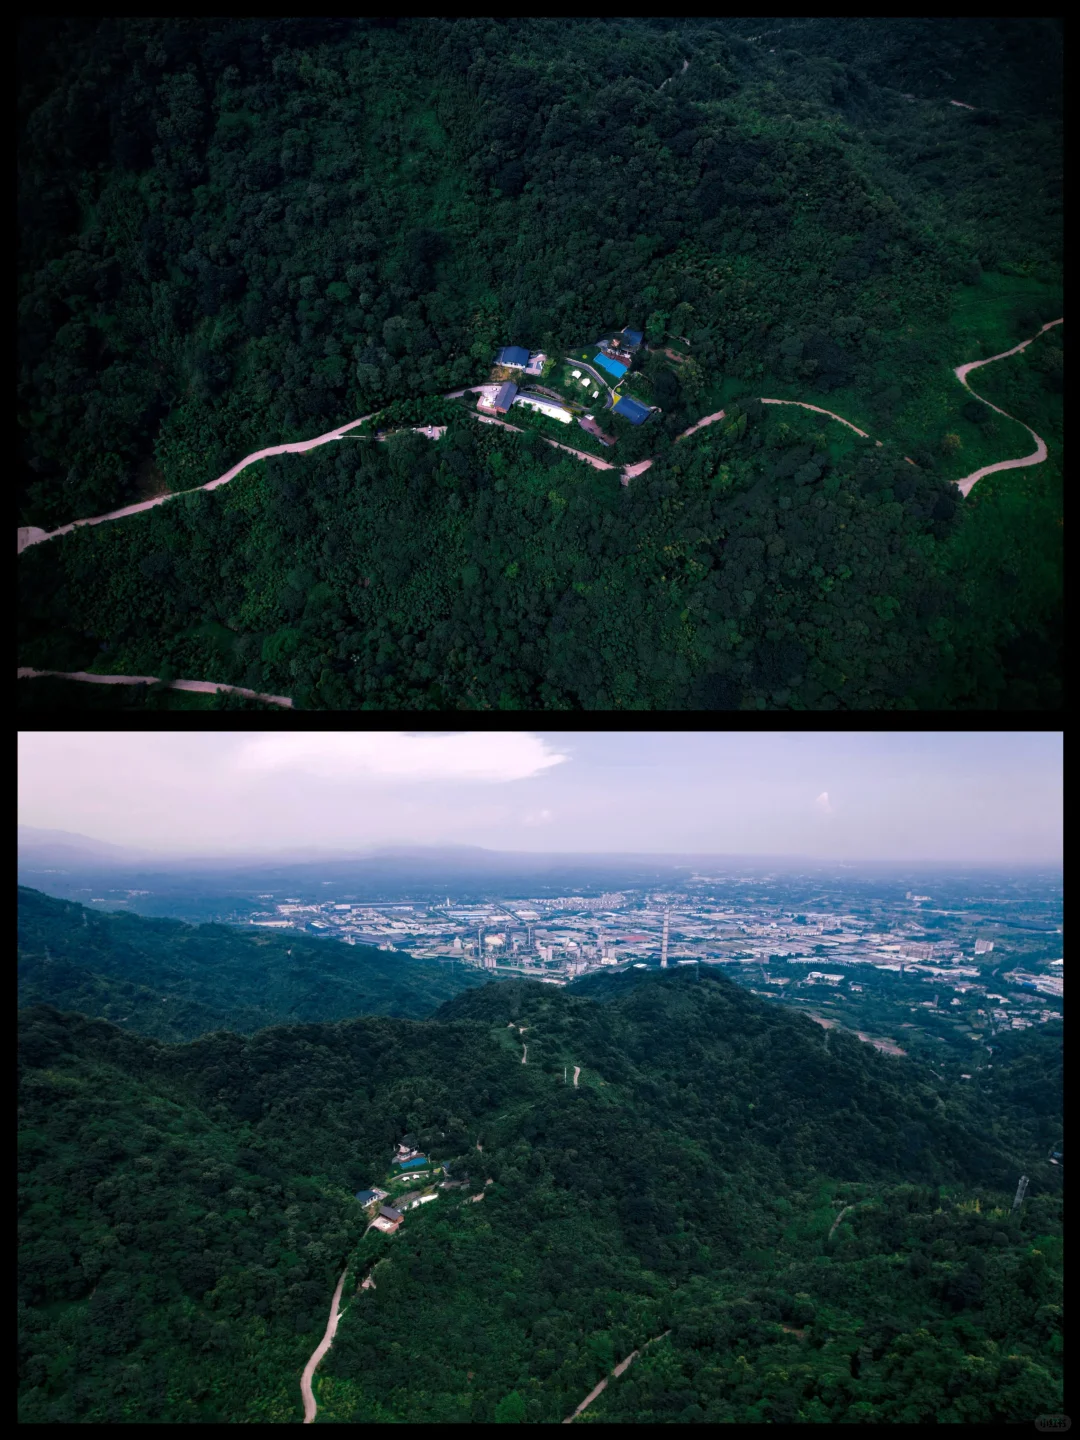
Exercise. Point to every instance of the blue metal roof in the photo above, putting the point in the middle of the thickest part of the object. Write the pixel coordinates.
(365, 1196)
(631, 410)
(613, 367)
(505, 398)
(632, 337)
(513, 355)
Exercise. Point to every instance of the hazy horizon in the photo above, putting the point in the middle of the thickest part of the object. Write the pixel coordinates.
(976, 799)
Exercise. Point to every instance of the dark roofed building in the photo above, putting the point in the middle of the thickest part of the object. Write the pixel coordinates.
(631, 410)
(366, 1196)
(631, 339)
(387, 1212)
(505, 398)
(513, 355)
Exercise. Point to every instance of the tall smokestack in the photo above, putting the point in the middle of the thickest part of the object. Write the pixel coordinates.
(663, 943)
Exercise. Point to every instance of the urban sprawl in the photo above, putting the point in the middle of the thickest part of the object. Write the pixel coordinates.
(776, 952)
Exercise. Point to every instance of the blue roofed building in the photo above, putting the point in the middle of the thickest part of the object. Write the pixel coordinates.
(631, 410)
(632, 339)
(513, 355)
(366, 1196)
(613, 367)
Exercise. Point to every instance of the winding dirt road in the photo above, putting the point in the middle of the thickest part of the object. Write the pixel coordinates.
(599, 1389)
(1038, 455)
(320, 1350)
(524, 1053)
(685, 66)
(839, 1217)
(577, 1072)
(33, 535)
(204, 687)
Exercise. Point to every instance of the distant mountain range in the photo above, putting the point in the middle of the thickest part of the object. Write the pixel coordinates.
(48, 847)
(62, 847)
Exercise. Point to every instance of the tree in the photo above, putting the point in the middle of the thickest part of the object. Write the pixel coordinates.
(510, 1409)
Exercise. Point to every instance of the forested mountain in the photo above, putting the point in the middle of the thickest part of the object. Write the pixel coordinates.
(816, 1233)
(177, 981)
(241, 233)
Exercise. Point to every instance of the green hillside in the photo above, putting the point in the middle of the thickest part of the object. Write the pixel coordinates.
(810, 1230)
(176, 981)
(241, 233)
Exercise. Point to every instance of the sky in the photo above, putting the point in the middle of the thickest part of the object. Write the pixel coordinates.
(976, 797)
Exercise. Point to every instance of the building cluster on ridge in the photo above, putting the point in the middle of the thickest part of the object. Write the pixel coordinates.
(614, 356)
(387, 1210)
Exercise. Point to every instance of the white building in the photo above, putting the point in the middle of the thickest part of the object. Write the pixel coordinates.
(983, 947)
(545, 407)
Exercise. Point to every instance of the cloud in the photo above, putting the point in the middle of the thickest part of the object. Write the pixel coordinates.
(824, 805)
(537, 817)
(466, 756)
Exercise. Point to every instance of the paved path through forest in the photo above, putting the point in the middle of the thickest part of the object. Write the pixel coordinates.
(577, 1072)
(320, 1350)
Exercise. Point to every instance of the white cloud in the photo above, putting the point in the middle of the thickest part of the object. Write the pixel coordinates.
(537, 817)
(824, 805)
(396, 755)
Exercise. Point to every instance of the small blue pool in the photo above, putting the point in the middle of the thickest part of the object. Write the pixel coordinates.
(413, 1164)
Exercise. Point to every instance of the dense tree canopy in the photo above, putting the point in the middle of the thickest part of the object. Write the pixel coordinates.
(238, 233)
(815, 1229)
(176, 981)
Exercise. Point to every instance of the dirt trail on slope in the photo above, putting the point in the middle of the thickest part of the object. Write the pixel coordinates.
(599, 1389)
(700, 424)
(323, 1346)
(204, 687)
(839, 1217)
(668, 81)
(1038, 455)
(33, 534)
(524, 1053)
(577, 1072)
(831, 414)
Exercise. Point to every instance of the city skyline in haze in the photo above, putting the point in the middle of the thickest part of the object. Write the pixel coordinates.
(974, 798)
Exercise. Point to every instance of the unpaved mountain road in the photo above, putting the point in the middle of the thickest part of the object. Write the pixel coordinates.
(320, 1350)
(32, 535)
(1038, 455)
(204, 687)
(599, 1389)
